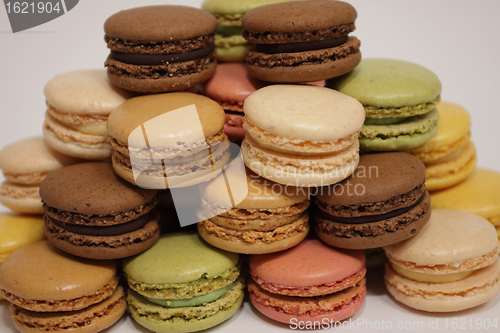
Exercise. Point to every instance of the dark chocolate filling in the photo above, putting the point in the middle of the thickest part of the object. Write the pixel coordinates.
(370, 218)
(113, 230)
(300, 47)
(161, 59)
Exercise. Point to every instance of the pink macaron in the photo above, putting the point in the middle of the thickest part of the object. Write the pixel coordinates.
(230, 86)
(309, 282)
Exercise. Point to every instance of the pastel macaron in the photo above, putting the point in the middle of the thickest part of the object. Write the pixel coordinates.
(309, 282)
(50, 290)
(449, 156)
(91, 212)
(450, 265)
(25, 164)
(230, 86)
(182, 284)
(78, 105)
(160, 48)
(478, 194)
(270, 217)
(301, 135)
(229, 42)
(385, 201)
(168, 140)
(399, 98)
(301, 41)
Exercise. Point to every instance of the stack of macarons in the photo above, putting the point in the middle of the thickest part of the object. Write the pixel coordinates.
(449, 156)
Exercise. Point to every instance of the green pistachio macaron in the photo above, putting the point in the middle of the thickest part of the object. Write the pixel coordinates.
(229, 42)
(182, 284)
(399, 98)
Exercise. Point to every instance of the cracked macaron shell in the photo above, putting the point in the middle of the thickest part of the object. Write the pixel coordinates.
(389, 83)
(311, 263)
(92, 189)
(162, 23)
(262, 193)
(135, 112)
(84, 92)
(450, 237)
(303, 112)
(39, 271)
(382, 176)
(179, 258)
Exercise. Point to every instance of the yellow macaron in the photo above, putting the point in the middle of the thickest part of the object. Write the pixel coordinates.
(478, 194)
(449, 156)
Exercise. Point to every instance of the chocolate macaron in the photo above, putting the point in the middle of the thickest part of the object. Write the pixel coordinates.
(301, 41)
(384, 202)
(160, 48)
(90, 212)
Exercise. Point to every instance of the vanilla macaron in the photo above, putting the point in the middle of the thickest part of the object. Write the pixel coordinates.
(25, 164)
(302, 135)
(450, 265)
(78, 105)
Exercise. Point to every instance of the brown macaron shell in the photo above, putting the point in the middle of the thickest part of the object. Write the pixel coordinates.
(50, 290)
(93, 213)
(301, 41)
(383, 202)
(271, 217)
(160, 48)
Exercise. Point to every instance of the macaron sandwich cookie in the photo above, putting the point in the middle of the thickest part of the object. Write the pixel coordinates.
(230, 86)
(90, 212)
(168, 140)
(301, 41)
(399, 98)
(310, 282)
(182, 284)
(301, 135)
(478, 194)
(450, 265)
(384, 202)
(229, 42)
(78, 105)
(24, 165)
(449, 156)
(160, 48)
(271, 217)
(52, 291)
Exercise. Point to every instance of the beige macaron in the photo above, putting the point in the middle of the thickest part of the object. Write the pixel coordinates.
(302, 135)
(168, 140)
(270, 217)
(25, 164)
(78, 105)
(450, 265)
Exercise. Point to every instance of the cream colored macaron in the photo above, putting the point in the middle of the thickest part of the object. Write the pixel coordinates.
(25, 164)
(78, 105)
(450, 265)
(302, 135)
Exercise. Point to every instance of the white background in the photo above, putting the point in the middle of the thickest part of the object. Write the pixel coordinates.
(458, 40)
